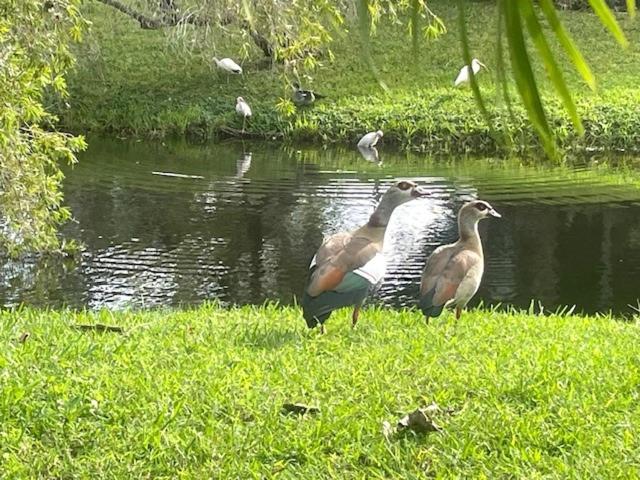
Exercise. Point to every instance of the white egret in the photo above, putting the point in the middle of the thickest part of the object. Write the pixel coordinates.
(370, 139)
(228, 66)
(243, 109)
(464, 76)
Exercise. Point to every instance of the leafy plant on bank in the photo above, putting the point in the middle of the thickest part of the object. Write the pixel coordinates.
(34, 57)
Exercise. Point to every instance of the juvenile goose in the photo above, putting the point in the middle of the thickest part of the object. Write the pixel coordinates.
(370, 139)
(464, 75)
(349, 264)
(453, 272)
(304, 97)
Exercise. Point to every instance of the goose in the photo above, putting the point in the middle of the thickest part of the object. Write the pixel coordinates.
(349, 264)
(370, 139)
(243, 109)
(464, 76)
(228, 66)
(453, 272)
(304, 97)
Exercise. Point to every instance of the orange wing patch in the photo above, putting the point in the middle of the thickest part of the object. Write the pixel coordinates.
(444, 292)
(324, 279)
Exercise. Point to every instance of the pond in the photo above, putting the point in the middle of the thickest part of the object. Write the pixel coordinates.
(168, 224)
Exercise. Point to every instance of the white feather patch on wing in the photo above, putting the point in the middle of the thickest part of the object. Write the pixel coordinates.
(373, 271)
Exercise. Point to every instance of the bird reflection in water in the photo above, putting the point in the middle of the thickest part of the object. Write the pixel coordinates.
(370, 154)
(243, 164)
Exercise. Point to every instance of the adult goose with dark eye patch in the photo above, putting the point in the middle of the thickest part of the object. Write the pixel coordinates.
(453, 272)
(349, 264)
(304, 97)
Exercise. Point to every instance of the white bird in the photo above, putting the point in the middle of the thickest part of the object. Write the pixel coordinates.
(229, 66)
(464, 75)
(243, 109)
(370, 139)
(370, 154)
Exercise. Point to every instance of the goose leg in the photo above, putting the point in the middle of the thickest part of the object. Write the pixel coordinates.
(356, 314)
(322, 330)
(458, 312)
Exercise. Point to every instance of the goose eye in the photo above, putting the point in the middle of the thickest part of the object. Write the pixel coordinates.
(404, 185)
(481, 206)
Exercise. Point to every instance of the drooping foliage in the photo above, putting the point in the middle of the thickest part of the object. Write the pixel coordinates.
(34, 56)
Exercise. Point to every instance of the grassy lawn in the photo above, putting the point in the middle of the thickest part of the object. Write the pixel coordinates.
(131, 81)
(197, 394)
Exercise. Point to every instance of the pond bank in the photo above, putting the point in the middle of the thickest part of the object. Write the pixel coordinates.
(154, 92)
(197, 393)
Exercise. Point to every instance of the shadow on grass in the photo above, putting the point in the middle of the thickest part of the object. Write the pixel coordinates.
(268, 339)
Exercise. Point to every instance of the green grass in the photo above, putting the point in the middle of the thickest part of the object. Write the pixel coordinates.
(131, 82)
(197, 394)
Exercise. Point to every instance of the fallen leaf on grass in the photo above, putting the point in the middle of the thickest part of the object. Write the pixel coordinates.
(99, 327)
(299, 409)
(24, 337)
(419, 421)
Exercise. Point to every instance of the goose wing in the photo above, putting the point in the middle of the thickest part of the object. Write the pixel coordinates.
(339, 254)
(447, 268)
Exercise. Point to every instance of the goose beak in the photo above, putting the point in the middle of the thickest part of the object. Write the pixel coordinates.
(493, 213)
(419, 192)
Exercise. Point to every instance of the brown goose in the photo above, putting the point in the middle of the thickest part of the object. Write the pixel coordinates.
(453, 272)
(349, 264)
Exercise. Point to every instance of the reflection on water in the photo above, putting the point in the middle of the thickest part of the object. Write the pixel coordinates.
(176, 224)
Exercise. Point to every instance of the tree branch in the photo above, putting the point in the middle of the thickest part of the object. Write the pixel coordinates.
(171, 18)
(143, 20)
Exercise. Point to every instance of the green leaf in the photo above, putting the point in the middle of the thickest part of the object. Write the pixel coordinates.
(555, 75)
(609, 21)
(415, 19)
(631, 8)
(364, 26)
(466, 56)
(567, 43)
(500, 66)
(523, 75)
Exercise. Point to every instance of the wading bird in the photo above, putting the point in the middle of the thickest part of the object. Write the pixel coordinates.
(464, 76)
(453, 272)
(304, 97)
(243, 109)
(349, 264)
(370, 139)
(228, 66)
(370, 154)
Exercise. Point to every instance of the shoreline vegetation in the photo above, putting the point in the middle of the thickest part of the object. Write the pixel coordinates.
(158, 90)
(199, 393)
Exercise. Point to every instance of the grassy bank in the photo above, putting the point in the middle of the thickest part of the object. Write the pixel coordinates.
(197, 394)
(130, 82)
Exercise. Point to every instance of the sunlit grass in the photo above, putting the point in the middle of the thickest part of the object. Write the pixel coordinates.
(197, 394)
(130, 82)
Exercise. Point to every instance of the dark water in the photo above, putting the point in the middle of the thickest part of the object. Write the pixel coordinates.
(243, 227)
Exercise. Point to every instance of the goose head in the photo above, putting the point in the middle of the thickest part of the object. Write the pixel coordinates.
(399, 193)
(475, 211)
(402, 192)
